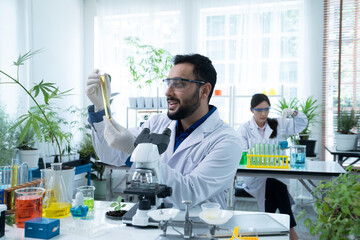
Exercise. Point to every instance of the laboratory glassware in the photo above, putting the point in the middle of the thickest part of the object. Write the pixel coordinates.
(57, 202)
(28, 204)
(297, 156)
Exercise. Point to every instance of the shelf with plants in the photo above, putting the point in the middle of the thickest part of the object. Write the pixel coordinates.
(148, 66)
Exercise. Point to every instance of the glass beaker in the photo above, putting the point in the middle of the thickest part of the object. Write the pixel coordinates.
(88, 193)
(5, 173)
(57, 202)
(28, 204)
(297, 156)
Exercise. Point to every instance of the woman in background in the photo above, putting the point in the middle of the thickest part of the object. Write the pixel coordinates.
(270, 193)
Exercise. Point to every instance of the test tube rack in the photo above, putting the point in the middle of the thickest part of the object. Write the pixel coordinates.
(268, 161)
(9, 193)
(267, 156)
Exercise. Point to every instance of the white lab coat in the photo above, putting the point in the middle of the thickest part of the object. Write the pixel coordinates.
(249, 134)
(202, 168)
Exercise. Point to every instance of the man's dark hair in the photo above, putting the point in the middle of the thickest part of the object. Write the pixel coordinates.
(203, 68)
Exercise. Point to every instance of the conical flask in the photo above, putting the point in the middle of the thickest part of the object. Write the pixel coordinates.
(56, 203)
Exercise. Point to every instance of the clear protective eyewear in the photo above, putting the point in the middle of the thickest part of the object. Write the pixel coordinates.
(261, 110)
(179, 84)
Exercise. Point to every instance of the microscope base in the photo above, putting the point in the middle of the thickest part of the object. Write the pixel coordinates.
(127, 218)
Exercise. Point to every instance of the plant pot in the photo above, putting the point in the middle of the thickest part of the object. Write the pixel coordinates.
(115, 215)
(65, 158)
(132, 102)
(148, 102)
(345, 142)
(100, 189)
(310, 147)
(140, 102)
(74, 156)
(49, 159)
(164, 103)
(156, 102)
(31, 157)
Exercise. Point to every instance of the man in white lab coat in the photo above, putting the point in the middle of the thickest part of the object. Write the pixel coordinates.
(202, 157)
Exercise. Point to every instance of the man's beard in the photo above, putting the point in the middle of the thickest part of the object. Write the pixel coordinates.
(187, 108)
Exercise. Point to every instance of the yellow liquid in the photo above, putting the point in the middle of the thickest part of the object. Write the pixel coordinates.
(56, 210)
(14, 176)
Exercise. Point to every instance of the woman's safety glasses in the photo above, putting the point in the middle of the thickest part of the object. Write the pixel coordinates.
(261, 110)
(179, 84)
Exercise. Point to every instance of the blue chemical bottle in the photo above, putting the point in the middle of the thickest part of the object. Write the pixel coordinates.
(79, 210)
(283, 144)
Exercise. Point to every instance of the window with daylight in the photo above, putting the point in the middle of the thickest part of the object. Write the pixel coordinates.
(255, 46)
(341, 66)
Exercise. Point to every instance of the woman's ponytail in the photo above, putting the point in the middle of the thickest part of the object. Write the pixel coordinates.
(273, 123)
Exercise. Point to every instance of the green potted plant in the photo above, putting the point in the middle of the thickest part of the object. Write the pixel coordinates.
(118, 212)
(338, 208)
(98, 180)
(148, 65)
(345, 138)
(310, 108)
(37, 116)
(27, 151)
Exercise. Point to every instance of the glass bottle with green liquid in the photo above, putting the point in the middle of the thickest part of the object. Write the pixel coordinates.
(56, 203)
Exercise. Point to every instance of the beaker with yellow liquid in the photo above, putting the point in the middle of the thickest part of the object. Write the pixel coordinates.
(56, 203)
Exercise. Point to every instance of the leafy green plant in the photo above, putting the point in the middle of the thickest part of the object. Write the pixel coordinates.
(309, 107)
(347, 121)
(338, 208)
(10, 219)
(28, 143)
(35, 119)
(97, 172)
(148, 64)
(86, 148)
(8, 140)
(118, 205)
(293, 104)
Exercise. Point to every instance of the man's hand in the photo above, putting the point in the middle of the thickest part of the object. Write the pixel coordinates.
(93, 90)
(118, 137)
(287, 112)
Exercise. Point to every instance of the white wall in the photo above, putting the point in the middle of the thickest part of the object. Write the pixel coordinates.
(58, 28)
(313, 46)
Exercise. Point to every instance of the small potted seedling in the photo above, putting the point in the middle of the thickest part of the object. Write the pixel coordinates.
(118, 213)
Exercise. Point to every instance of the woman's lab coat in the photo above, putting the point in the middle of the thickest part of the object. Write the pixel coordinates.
(249, 134)
(202, 168)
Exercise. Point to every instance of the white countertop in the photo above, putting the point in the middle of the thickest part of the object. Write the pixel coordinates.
(99, 227)
(320, 170)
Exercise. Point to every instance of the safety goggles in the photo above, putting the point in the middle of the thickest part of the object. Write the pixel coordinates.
(179, 84)
(261, 110)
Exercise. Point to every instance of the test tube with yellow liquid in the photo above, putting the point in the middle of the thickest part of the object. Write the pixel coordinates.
(14, 180)
(103, 82)
(56, 203)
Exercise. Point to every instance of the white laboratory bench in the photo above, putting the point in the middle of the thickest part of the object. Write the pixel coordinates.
(99, 227)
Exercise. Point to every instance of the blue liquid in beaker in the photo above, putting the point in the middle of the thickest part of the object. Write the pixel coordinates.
(297, 160)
